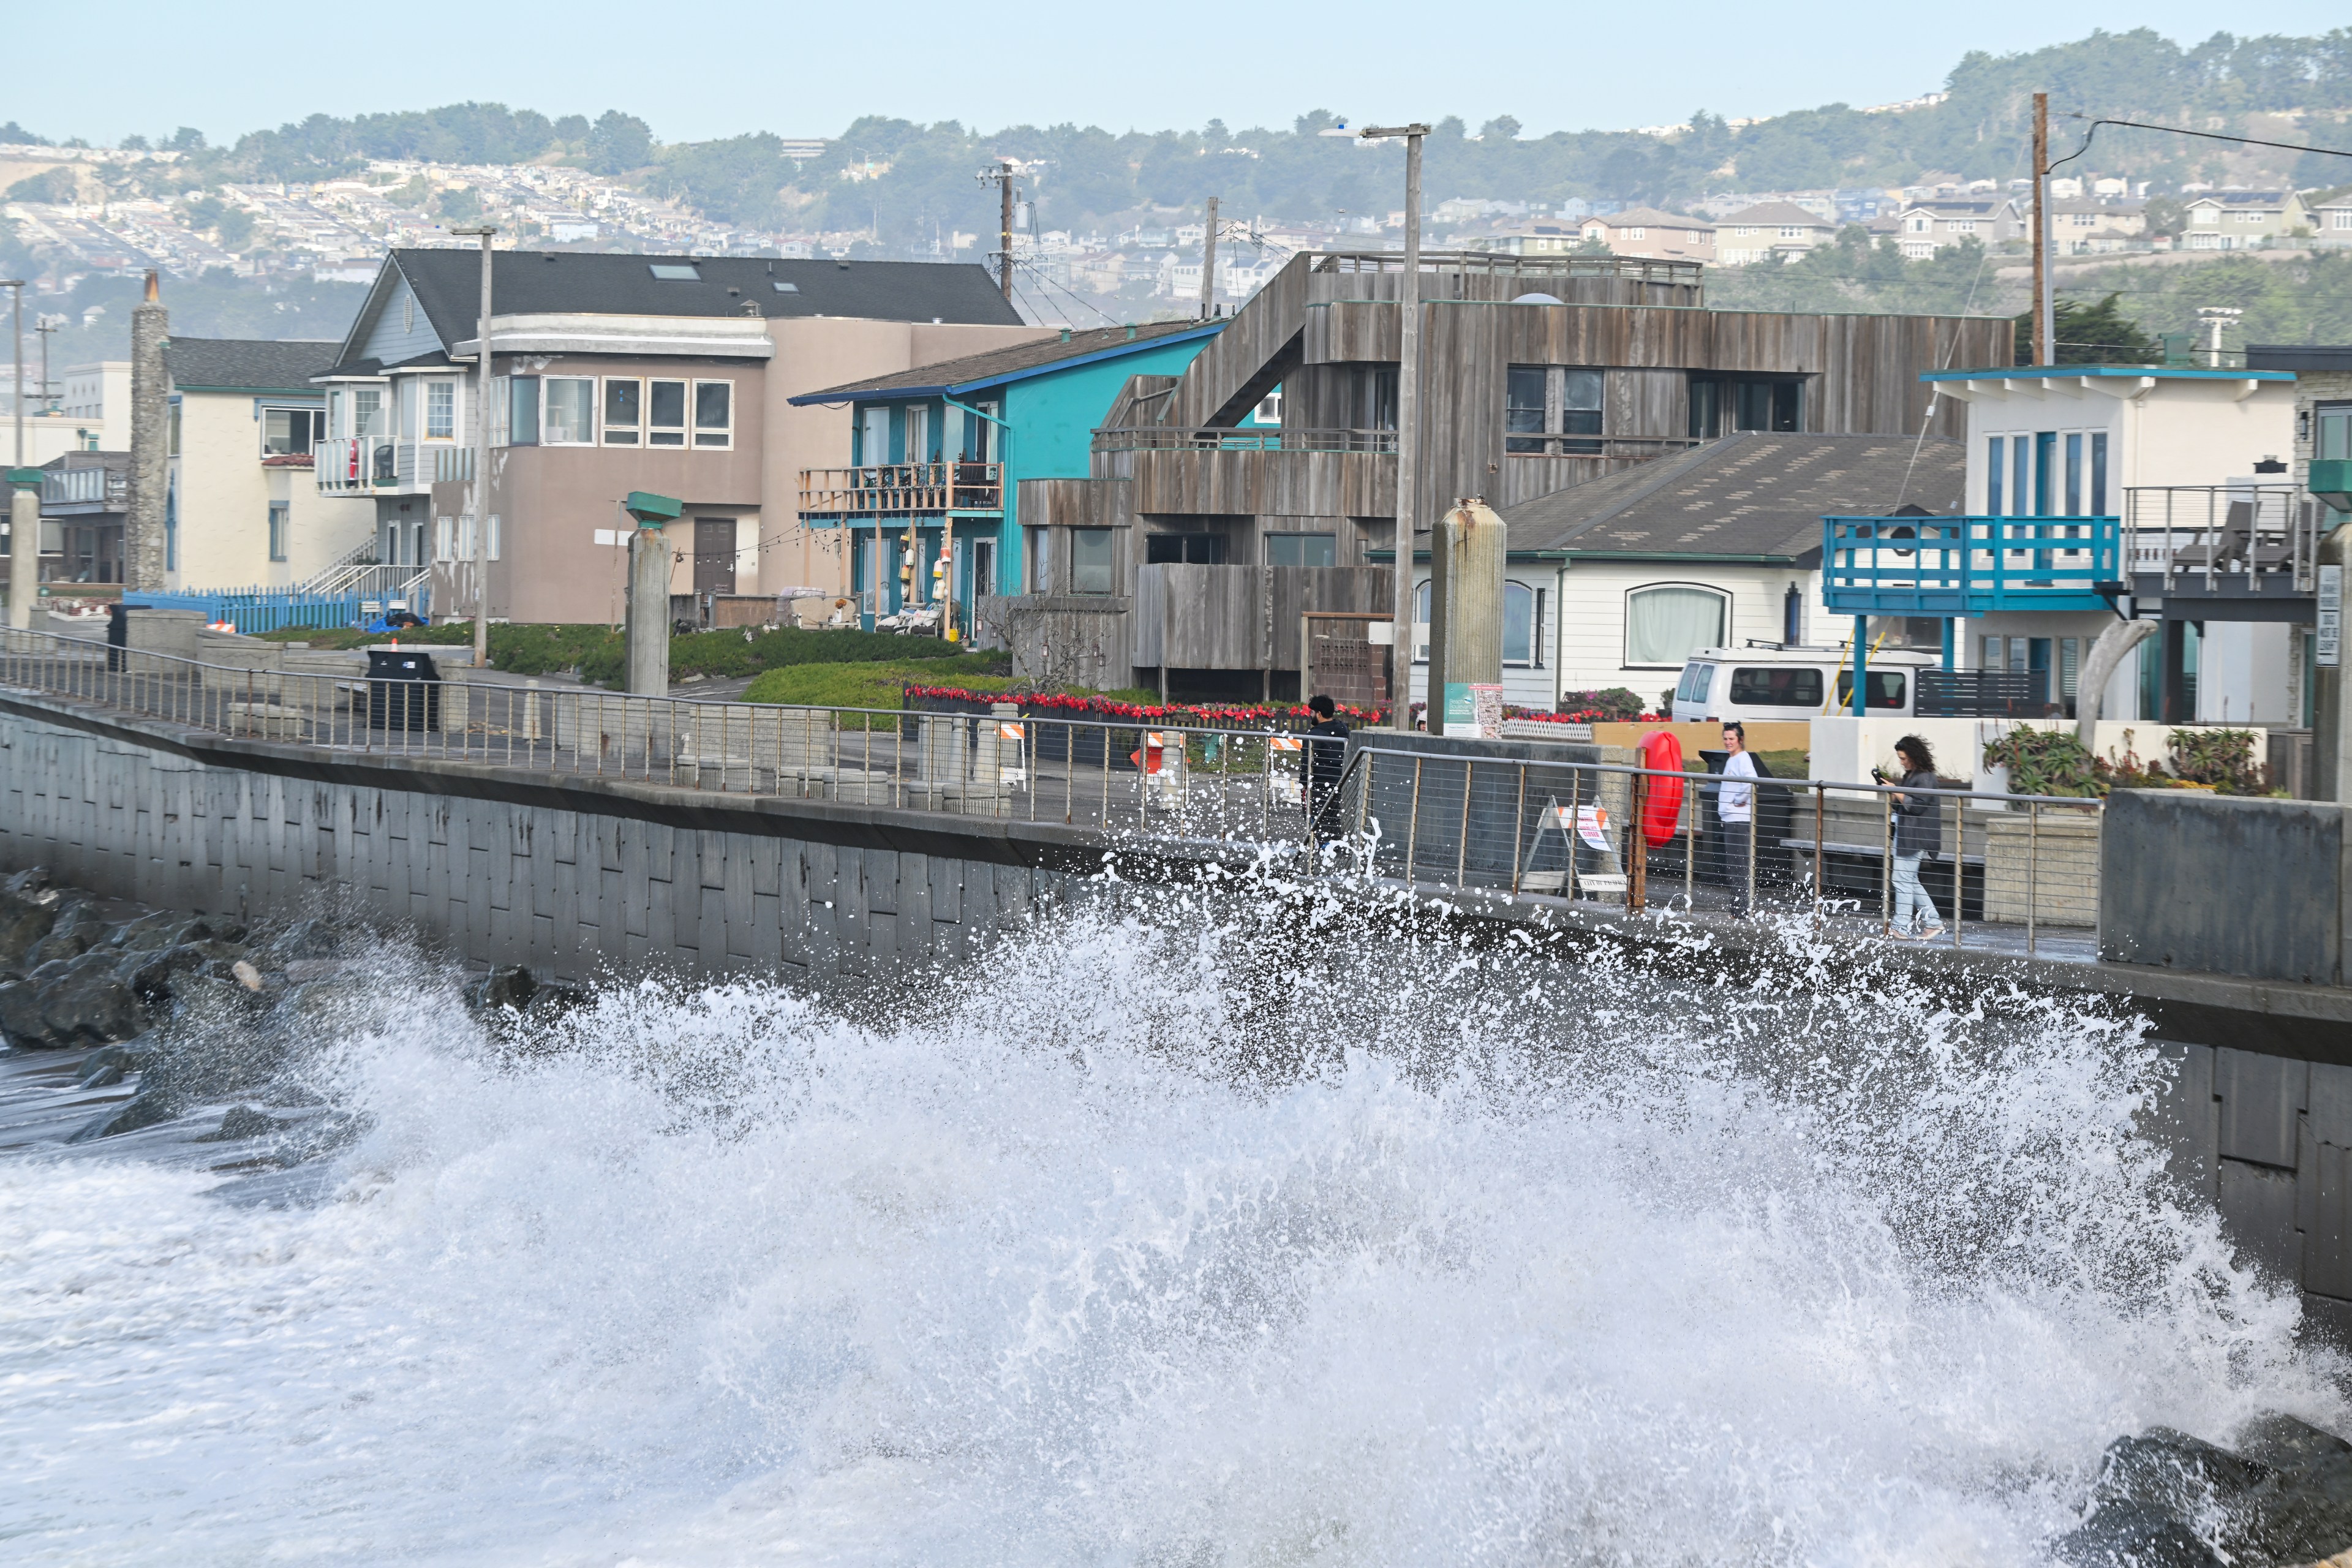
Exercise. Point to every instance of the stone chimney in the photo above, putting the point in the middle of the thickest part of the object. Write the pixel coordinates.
(143, 543)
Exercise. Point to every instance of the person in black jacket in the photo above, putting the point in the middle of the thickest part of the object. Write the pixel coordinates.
(1326, 755)
(1918, 830)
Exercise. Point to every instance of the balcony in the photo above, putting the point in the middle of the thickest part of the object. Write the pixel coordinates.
(1958, 566)
(368, 465)
(94, 487)
(902, 490)
(2239, 550)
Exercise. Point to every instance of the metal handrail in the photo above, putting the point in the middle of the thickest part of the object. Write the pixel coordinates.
(1241, 438)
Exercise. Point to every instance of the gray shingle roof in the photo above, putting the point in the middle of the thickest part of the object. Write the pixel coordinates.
(997, 363)
(530, 282)
(255, 364)
(1748, 495)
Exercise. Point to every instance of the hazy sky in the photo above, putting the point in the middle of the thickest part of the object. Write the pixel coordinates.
(801, 70)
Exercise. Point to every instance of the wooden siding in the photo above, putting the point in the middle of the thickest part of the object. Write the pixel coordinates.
(1295, 484)
(1073, 503)
(1239, 617)
(1240, 364)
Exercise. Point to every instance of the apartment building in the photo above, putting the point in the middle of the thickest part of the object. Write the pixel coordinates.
(2241, 220)
(1648, 233)
(1925, 227)
(611, 373)
(1770, 231)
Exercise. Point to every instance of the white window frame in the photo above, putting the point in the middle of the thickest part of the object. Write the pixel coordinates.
(316, 416)
(445, 539)
(1535, 625)
(623, 435)
(544, 401)
(1625, 633)
(684, 428)
(441, 385)
(696, 433)
(281, 529)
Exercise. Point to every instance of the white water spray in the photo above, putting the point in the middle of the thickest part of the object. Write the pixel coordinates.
(1117, 1253)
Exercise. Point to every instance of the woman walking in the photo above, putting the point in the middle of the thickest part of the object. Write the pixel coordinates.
(1918, 828)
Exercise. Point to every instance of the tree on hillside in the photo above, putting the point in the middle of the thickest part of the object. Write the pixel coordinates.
(618, 142)
(2091, 334)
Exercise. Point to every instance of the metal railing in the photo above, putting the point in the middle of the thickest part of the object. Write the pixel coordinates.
(1245, 438)
(1637, 269)
(1115, 775)
(884, 489)
(2009, 873)
(2004, 873)
(1967, 565)
(84, 487)
(2204, 536)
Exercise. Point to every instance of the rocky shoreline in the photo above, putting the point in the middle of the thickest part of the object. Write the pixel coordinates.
(192, 1010)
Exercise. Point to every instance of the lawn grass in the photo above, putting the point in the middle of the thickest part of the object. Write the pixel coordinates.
(600, 654)
(865, 684)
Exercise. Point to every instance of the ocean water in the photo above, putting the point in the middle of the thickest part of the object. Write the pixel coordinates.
(1197, 1233)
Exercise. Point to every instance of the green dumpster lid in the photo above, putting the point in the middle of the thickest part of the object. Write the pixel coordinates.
(647, 507)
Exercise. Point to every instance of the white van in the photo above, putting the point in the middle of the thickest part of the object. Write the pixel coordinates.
(1720, 683)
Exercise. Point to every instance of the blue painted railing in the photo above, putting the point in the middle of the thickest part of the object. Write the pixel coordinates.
(1947, 566)
(256, 610)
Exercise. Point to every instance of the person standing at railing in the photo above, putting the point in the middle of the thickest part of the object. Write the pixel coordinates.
(1735, 813)
(118, 634)
(1917, 827)
(1325, 756)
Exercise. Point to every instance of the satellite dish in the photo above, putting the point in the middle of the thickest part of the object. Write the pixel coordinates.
(1539, 300)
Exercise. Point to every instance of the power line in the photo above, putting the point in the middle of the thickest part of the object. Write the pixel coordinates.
(2179, 130)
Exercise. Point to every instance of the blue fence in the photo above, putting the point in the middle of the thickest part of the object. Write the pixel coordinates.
(1947, 566)
(257, 610)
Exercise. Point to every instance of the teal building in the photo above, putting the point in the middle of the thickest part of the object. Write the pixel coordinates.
(937, 454)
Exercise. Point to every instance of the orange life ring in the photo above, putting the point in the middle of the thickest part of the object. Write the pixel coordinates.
(1661, 799)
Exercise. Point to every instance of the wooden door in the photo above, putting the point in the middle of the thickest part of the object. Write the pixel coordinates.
(714, 554)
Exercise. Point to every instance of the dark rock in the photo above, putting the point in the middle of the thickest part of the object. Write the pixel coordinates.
(2300, 1514)
(208, 928)
(88, 1004)
(107, 1065)
(146, 933)
(306, 939)
(20, 1016)
(553, 999)
(30, 886)
(151, 976)
(242, 1121)
(145, 1108)
(509, 986)
(2282, 1440)
(21, 927)
(58, 944)
(2126, 1534)
(2173, 1473)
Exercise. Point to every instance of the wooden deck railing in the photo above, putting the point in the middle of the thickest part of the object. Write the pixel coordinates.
(890, 488)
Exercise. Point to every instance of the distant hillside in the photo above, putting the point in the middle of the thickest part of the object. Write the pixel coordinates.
(909, 183)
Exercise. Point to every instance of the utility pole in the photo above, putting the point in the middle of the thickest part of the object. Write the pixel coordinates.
(1408, 426)
(2045, 332)
(482, 497)
(1001, 176)
(1209, 264)
(17, 287)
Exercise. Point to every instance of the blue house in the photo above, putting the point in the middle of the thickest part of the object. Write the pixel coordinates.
(937, 454)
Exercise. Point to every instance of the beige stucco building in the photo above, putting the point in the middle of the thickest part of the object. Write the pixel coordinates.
(620, 374)
(242, 510)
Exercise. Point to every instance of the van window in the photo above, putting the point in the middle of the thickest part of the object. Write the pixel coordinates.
(1697, 679)
(1776, 685)
(1886, 688)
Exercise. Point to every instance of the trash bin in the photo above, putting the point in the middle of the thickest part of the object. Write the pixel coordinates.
(404, 690)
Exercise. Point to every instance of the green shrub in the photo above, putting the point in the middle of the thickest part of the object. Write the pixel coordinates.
(2223, 758)
(866, 684)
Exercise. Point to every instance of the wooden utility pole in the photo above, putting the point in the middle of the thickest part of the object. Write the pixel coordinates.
(1408, 425)
(1209, 264)
(2044, 326)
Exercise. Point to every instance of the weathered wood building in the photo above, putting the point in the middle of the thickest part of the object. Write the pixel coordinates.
(1539, 373)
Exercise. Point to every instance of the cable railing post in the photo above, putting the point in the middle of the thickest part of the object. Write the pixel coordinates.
(1461, 844)
(1413, 824)
(1574, 825)
(2032, 872)
(1518, 829)
(1820, 855)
